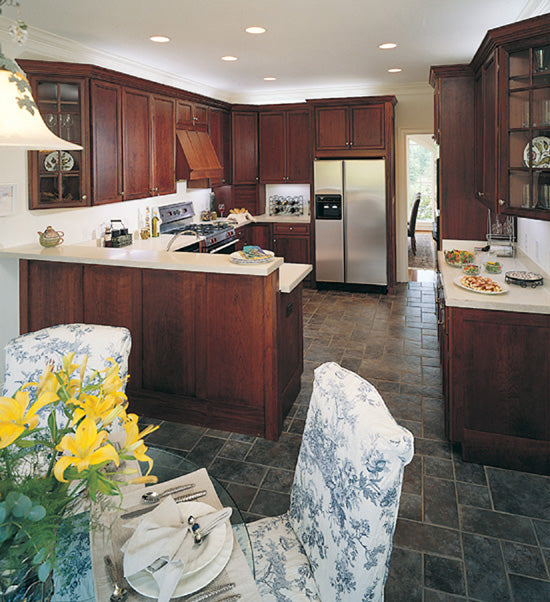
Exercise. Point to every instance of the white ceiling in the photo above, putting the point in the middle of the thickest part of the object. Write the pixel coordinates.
(309, 44)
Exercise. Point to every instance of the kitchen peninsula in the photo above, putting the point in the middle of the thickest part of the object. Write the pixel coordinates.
(214, 343)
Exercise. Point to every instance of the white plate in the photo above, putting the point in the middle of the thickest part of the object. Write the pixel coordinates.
(473, 290)
(51, 161)
(236, 257)
(204, 568)
(540, 152)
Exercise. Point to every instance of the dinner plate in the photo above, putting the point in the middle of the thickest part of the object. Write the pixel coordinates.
(204, 567)
(473, 290)
(52, 159)
(236, 257)
(540, 152)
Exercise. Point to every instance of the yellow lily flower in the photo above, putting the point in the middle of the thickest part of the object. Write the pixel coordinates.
(48, 382)
(146, 479)
(134, 440)
(105, 408)
(85, 448)
(14, 416)
(112, 383)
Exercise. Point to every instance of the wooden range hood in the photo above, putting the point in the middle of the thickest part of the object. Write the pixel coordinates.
(195, 156)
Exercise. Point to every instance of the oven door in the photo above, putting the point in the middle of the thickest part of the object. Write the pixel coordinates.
(226, 247)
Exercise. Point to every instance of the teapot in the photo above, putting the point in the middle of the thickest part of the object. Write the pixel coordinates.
(50, 238)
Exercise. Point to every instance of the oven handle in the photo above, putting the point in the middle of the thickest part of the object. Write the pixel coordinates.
(231, 242)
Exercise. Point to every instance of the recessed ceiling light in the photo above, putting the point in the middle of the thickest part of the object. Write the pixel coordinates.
(228, 57)
(255, 29)
(270, 79)
(387, 45)
(395, 70)
(160, 39)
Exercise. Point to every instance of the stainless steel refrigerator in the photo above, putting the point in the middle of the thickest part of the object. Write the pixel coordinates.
(350, 221)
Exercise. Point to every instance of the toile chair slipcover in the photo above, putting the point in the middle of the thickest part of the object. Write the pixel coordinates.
(27, 355)
(334, 543)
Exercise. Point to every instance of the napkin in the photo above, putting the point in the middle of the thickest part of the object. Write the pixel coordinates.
(160, 535)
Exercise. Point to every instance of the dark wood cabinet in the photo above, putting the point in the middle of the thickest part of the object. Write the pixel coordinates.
(497, 388)
(106, 138)
(512, 68)
(352, 127)
(244, 127)
(191, 115)
(219, 128)
(293, 243)
(60, 179)
(162, 152)
(284, 146)
(462, 217)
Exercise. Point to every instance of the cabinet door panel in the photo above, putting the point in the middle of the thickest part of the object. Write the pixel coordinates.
(260, 235)
(184, 114)
(294, 249)
(272, 147)
(367, 127)
(112, 296)
(106, 142)
(169, 341)
(298, 147)
(245, 148)
(136, 143)
(489, 131)
(220, 134)
(61, 305)
(331, 128)
(163, 145)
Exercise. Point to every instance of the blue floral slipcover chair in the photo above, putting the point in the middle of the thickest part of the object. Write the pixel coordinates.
(334, 543)
(27, 355)
(26, 358)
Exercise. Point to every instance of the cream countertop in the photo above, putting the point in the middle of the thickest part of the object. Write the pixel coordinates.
(523, 300)
(299, 219)
(151, 254)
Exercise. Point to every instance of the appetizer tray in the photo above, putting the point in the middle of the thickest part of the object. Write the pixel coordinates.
(480, 284)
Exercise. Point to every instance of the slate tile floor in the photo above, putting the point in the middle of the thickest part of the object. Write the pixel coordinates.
(465, 531)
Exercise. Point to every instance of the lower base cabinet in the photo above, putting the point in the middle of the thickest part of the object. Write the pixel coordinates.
(496, 371)
(216, 350)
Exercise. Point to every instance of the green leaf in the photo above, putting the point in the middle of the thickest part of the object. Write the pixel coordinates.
(6, 531)
(3, 512)
(44, 570)
(52, 424)
(22, 507)
(37, 513)
(40, 556)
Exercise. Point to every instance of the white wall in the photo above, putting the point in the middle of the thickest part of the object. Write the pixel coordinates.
(534, 240)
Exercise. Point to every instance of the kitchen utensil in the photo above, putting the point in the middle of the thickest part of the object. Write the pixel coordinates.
(119, 593)
(149, 507)
(210, 593)
(209, 523)
(50, 238)
(154, 496)
(233, 598)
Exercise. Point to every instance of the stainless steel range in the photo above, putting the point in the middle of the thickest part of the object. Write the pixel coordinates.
(212, 237)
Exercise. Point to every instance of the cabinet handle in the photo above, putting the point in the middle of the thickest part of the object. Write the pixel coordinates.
(84, 197)
(480, 195)
(291, 228)
(501, 202)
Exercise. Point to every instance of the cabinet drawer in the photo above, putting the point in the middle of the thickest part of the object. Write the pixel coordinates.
(290, 229)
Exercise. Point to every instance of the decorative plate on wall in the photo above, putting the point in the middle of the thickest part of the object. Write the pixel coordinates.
(539, 150)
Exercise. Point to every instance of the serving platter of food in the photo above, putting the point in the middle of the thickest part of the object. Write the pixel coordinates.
(481, 284)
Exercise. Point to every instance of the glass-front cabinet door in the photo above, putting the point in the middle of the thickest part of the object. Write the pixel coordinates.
(60, 178)
(526, 164)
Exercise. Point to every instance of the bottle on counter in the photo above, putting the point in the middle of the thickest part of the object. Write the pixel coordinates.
(155, 224)
(107, 237)
(148, 220)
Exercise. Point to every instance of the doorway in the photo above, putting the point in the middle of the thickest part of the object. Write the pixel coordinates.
(421, 178)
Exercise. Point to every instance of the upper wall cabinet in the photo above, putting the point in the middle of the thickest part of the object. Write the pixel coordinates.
(219, 128)
(61, 178)
(352, 127)
(244, 127)
(191, 115)
(285, 155)
(512, 69)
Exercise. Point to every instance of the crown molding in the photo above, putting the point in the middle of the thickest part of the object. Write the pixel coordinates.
(43, 45)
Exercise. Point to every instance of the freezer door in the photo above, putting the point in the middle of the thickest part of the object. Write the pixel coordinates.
(365, 221)
(329, 233)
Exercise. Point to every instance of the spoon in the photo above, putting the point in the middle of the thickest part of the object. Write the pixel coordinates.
(154, 496)
(120, 594)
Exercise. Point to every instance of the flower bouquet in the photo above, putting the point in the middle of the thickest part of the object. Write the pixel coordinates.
(57, 449)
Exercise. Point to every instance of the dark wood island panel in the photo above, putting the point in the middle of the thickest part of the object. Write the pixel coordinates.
(216, 350)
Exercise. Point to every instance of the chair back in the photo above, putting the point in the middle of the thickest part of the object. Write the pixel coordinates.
(27, 355)
(414, 213)
(347, 485)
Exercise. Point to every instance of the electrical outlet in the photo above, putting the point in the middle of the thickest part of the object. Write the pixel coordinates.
(537, 258)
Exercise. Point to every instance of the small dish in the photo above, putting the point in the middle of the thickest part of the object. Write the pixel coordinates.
(457, 258)
(471, 269)
(493, 267)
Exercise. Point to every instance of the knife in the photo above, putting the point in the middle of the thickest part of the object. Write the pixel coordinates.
(207, 594)
(149, 507)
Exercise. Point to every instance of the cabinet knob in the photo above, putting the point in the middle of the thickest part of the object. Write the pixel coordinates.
(84, 197)
(291, 228)
(501, 202)
(480, 195)
(351, 143)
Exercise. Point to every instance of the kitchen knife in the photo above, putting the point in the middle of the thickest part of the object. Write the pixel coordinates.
(149, 507)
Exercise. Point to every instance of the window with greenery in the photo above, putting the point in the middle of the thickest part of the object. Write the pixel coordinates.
(420, 167)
